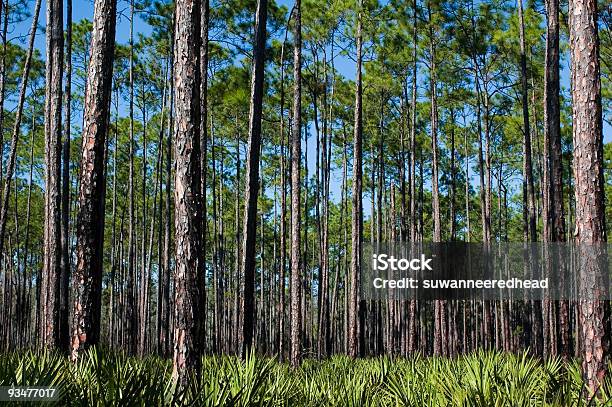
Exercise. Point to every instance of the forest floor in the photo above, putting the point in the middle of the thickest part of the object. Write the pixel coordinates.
(480, 379)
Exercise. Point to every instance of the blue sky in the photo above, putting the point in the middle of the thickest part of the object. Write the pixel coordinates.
(84, 9)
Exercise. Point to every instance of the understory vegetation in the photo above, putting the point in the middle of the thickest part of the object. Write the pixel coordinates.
(104, 377)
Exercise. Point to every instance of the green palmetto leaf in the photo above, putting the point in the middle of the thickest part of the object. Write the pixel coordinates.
(105, 377)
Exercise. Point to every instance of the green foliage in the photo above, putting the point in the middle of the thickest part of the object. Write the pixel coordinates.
(102, 377)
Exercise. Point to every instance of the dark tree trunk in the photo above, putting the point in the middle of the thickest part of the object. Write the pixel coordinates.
(53, 136)
(113, 269)
(283, 219)
(412, 170)
(64, 334)
(132, 315)
(252, 177)
(439, 305)
(556, 218)
(412, 306)
(467, 187)
(527, 164)
(166, 311)
(26, 254)
(437, 228)
(16, 130)
(143, 286)
(201, 280)
(453, 176)
(354, 330)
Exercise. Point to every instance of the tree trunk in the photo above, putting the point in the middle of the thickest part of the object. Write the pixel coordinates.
(64, 334)
(132, 315)
(453, 176)
(27, 232)
(527, 164)
(354, 330)
(166, 312)
(252, 176)
(143, 286)
(188, 212)
(467, 187)
(556, 218)
(439, 305)
(87, 279)
(283, 219)
(53, 136)
(590, 231)
(16, 129)
(412, 305)
(296, 156)
(412, 170)
(203, 151)
(437, 231)
(113, 268)
(4, 5)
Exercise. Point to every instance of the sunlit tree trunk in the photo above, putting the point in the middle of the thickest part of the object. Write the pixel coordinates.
(296, 156)
(87, 278)
(26, 255)
(5, 13)
(590, 231)
(188, 211)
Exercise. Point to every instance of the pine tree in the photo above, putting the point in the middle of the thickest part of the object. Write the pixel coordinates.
(87, 278)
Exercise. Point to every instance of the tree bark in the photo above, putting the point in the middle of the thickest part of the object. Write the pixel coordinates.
(87, 278)
(143, 286)
(16, 129)
(283, 219)
(53, 129)
(527, 164)
(439, 305)
(590, 231)
(4, 6)
(166, 311)
(132, 315)
(203, 151)
(64, 334)
(26, 254)
(552, 131)
(296, 156)
(252, 176)
(437, 228)
(188, 212)
(412, 170)
(357, 210)
(453, 176)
